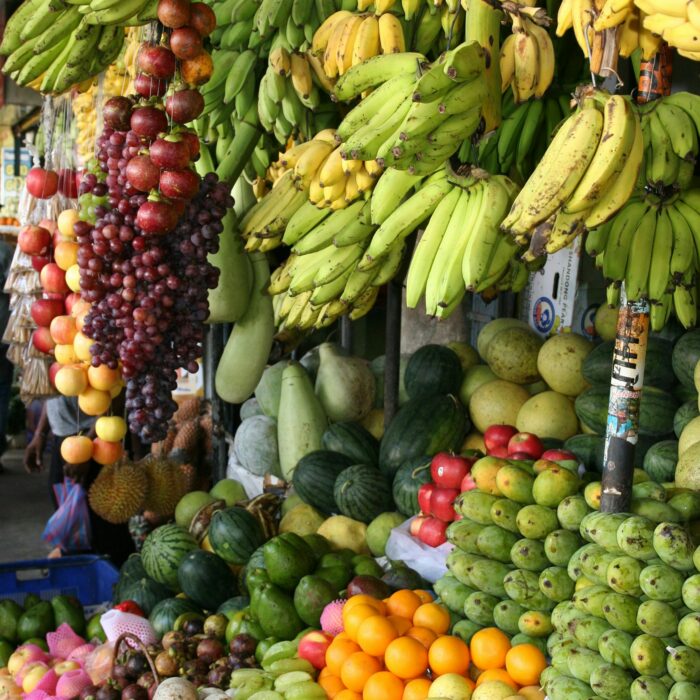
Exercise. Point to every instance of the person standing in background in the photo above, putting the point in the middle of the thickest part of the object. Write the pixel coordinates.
(6, 367)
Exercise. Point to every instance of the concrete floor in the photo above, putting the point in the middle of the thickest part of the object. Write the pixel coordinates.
(24, 509)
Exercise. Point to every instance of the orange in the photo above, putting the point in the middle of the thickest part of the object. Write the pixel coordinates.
(524, 663)
(383, 686)
(357, 668)
(489, 647)
(337, 652)
(416, 689)
(401, 624)
(331, 684)
(425, 636)
(496, 674)
(355, 618)
(348, 695)
(403, 603)
(425, 596)
(448, 655)
(362, 599)
(433, 616)
(375, 634)
(325, 671)
(406, 657)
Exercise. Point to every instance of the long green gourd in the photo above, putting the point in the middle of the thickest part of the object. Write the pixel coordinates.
(301, 420)
(248, 348)
(229, 301)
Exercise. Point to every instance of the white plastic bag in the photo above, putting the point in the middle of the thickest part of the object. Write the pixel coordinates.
(429, 562)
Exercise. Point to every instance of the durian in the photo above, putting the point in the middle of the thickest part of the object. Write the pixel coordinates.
(166, 486)
(118, 492)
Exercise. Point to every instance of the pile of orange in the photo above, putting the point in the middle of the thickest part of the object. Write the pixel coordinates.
(394, 649)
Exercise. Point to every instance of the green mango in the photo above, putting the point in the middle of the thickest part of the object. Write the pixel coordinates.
(591, 599)
(683, 664)
(548, 676)
(479, 607)
(689, 630)
(529, 554)
(649, 489)
(555, 583)
(611, 682)
(648, 688)
(465, 630)
(621, 612)
(366, 566)
(535, 623)
(594, 561)
(38, 642)
(311, 596)
(504, 513)
(556, 638)
(36, 622)
(288, 558)
(452, 593)
(623, 575)
(487, 576)
(493, 542)
(277, 614)
(674, 546)
(661, 582)
(566, 688)
(333, 559)
(648, 655)
(536, 522)
(564, 617)
(68, 609)
(571, 511)
(506, 615)
(582, 662)
(589, 630)
(657, 618)
(464, 534)
(256, 577)
(337, 576)
(655, 511)
(10, 613)
(691, 592)
(635, 537)
(553, 485)
(521, 638)
(684, 691)
(687, 504)
(515, 484)
(318, 543)
(560, 545)
(476, 506)
(614, 646)
(460, 564)
(573, 568)
(601, 528)
(6, 651)
(94, 629)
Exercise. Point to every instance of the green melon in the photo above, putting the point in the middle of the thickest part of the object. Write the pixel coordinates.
(362, 493)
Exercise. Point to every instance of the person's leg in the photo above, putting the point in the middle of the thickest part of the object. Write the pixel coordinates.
(55, 465)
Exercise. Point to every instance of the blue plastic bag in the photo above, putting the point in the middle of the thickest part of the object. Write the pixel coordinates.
(69, 527)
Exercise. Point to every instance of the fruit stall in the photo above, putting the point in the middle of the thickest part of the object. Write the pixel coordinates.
(376, 320)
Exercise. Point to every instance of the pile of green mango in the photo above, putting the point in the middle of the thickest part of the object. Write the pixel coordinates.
(614, 599)
(31, 621)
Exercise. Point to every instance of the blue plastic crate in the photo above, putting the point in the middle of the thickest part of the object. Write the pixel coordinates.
(89, 578)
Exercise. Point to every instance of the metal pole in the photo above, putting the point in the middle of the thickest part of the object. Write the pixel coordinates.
(393, 350)
(346, 333)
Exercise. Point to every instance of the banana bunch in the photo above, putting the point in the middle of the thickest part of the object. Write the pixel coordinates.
(51, 45)
(124, 12)
(670, 128)
(585, 177)
(677, 22)
(519, 143)
(594, 28)
(346, 39)
(462, 247)
(653, 246)
(419, 114)
(527, 58)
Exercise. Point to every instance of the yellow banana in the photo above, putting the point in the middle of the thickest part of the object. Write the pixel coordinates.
(367, 41)
(507, 61)
(332, 170)
(280, 61)
(324, 32)
(344, 49)
(301, 75)
(545, 57)
(391, 37)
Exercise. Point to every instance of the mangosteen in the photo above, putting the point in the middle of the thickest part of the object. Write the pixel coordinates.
(171, 637)
(88, 692)
(136, 665)
(120, 675)
(108, 692)
(167, 663)
(194, 667)
(219, 677)
(250, 662)
(193, 626)
(209, 650)
(146, 680)
(243, 645)
(134, 692)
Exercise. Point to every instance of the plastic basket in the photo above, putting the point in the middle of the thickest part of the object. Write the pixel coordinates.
(89, 578)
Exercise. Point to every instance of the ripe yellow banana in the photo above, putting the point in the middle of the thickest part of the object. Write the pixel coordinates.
(367, 41)
(391, 36)
(324, 32)
(301, 75)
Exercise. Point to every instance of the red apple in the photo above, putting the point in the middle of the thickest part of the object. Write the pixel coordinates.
(432, 532)
(424, 495)
(414, 527)
(500, 451)
(448, 470)
(67, 183)
(41, 338)
(34, 240)
(38, 262)
(53, 370)
(520, 457)
(441, 502)
(498, 435)
(53, 279)
(44, 311)
(41, 183)
(526, 442)
(557, 455)
(312, 647)
(467, 484)
(71, 299)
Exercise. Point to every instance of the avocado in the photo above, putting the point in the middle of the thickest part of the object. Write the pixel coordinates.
(36, 622)
(277, 614)
(310, 598)
(69, 609)
(10, 612)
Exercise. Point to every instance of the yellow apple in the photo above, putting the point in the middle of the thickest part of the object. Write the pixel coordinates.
(450, 686)
(71, 380)
(73, 278)
(110, 428)
(66, 219)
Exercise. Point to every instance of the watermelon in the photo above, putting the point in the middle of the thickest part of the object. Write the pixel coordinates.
(597, 366)
(362, 493)
(233, 605)
(131, 570)
(255, 446)
(234, 534)
(660, 460)
(145, 592)
(164, 614)
(422, 427)
(314, 478)
(657, 410)
(686, 354)
(408, 479)
(684, 415)
(589, 449)
(206, 579)
(433, 370)
(163, 550)
(353, 441)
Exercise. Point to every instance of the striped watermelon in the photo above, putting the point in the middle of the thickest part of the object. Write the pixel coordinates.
(163, 550)
(362, 493)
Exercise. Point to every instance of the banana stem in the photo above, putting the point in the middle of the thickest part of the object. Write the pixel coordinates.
(483, 24)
